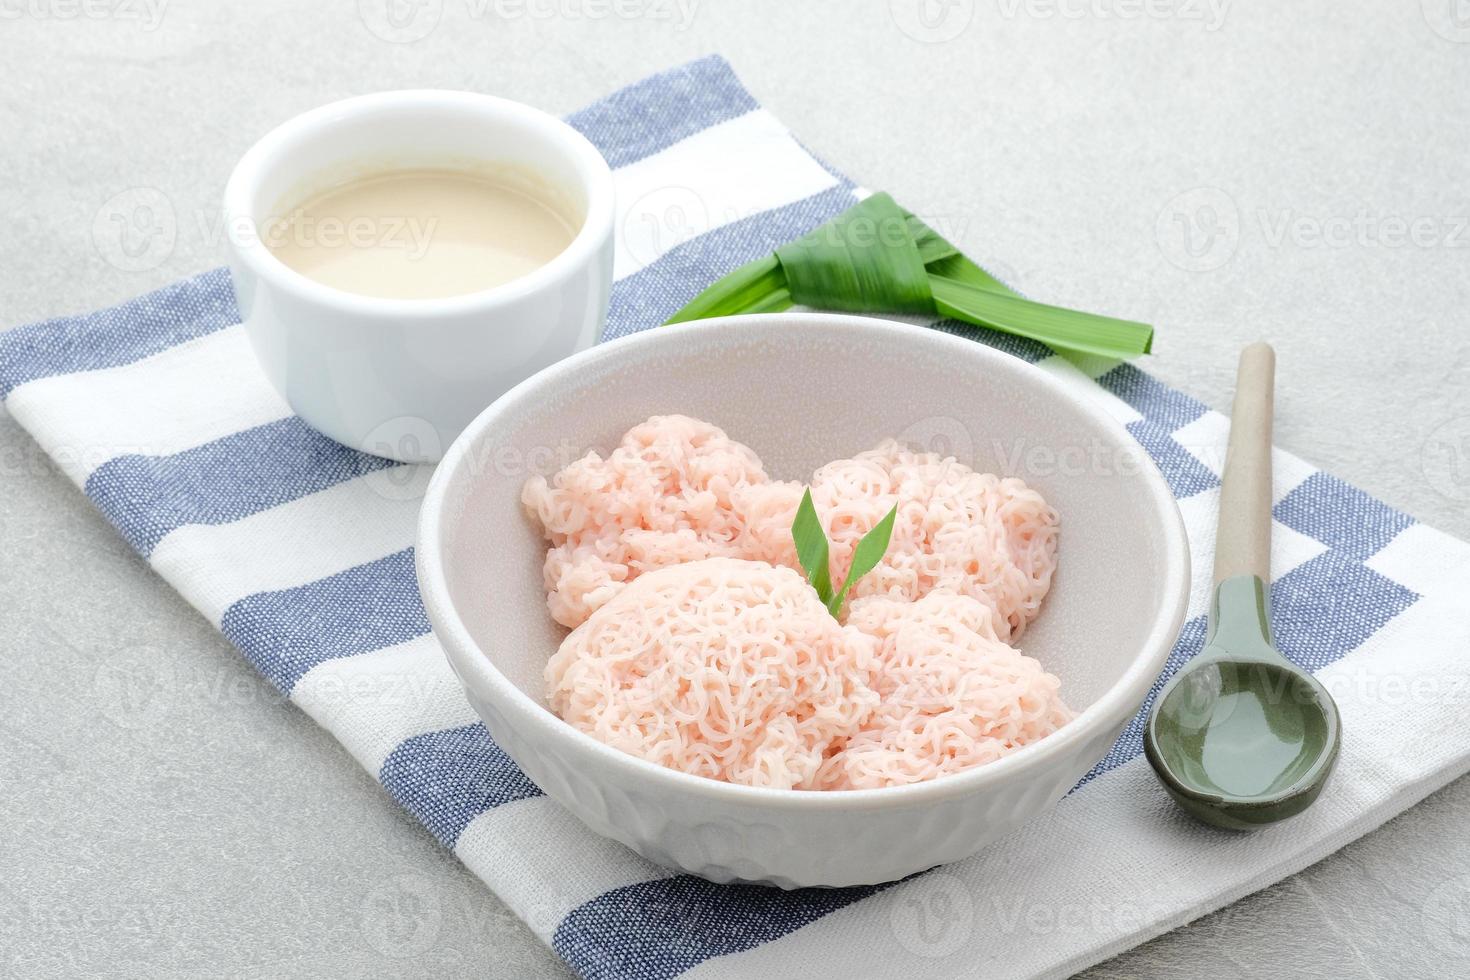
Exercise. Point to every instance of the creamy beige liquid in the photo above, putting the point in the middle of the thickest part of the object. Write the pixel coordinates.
(418, 234)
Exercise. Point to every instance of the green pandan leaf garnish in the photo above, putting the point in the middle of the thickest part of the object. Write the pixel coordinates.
(812, 551)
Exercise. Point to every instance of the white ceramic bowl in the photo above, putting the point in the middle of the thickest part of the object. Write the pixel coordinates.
(402, 377)
(802, 389)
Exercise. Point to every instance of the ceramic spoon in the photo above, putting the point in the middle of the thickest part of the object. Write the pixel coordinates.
(1240, 736)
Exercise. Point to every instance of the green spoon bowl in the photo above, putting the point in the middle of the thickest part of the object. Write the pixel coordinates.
(1241, 737)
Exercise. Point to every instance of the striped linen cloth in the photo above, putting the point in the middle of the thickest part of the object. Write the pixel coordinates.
(300, 551)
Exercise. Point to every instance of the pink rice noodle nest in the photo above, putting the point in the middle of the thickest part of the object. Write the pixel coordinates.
(976, 534)
(664, 496)
(723, 668)
(951, 695)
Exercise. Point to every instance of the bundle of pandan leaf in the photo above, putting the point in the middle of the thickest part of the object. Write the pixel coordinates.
(876, 257)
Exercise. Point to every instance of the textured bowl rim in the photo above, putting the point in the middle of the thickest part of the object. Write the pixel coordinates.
(534, 721)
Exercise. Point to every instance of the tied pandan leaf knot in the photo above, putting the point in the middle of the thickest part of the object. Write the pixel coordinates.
(875, 257)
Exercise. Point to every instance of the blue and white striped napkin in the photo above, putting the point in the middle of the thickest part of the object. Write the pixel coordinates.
(299, 550)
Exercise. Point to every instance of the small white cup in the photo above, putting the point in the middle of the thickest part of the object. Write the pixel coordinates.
(402, 377)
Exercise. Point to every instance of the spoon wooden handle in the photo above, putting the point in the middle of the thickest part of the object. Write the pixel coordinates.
(1243, 538)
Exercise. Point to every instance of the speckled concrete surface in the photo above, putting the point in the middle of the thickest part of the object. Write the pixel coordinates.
(1226, 170)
